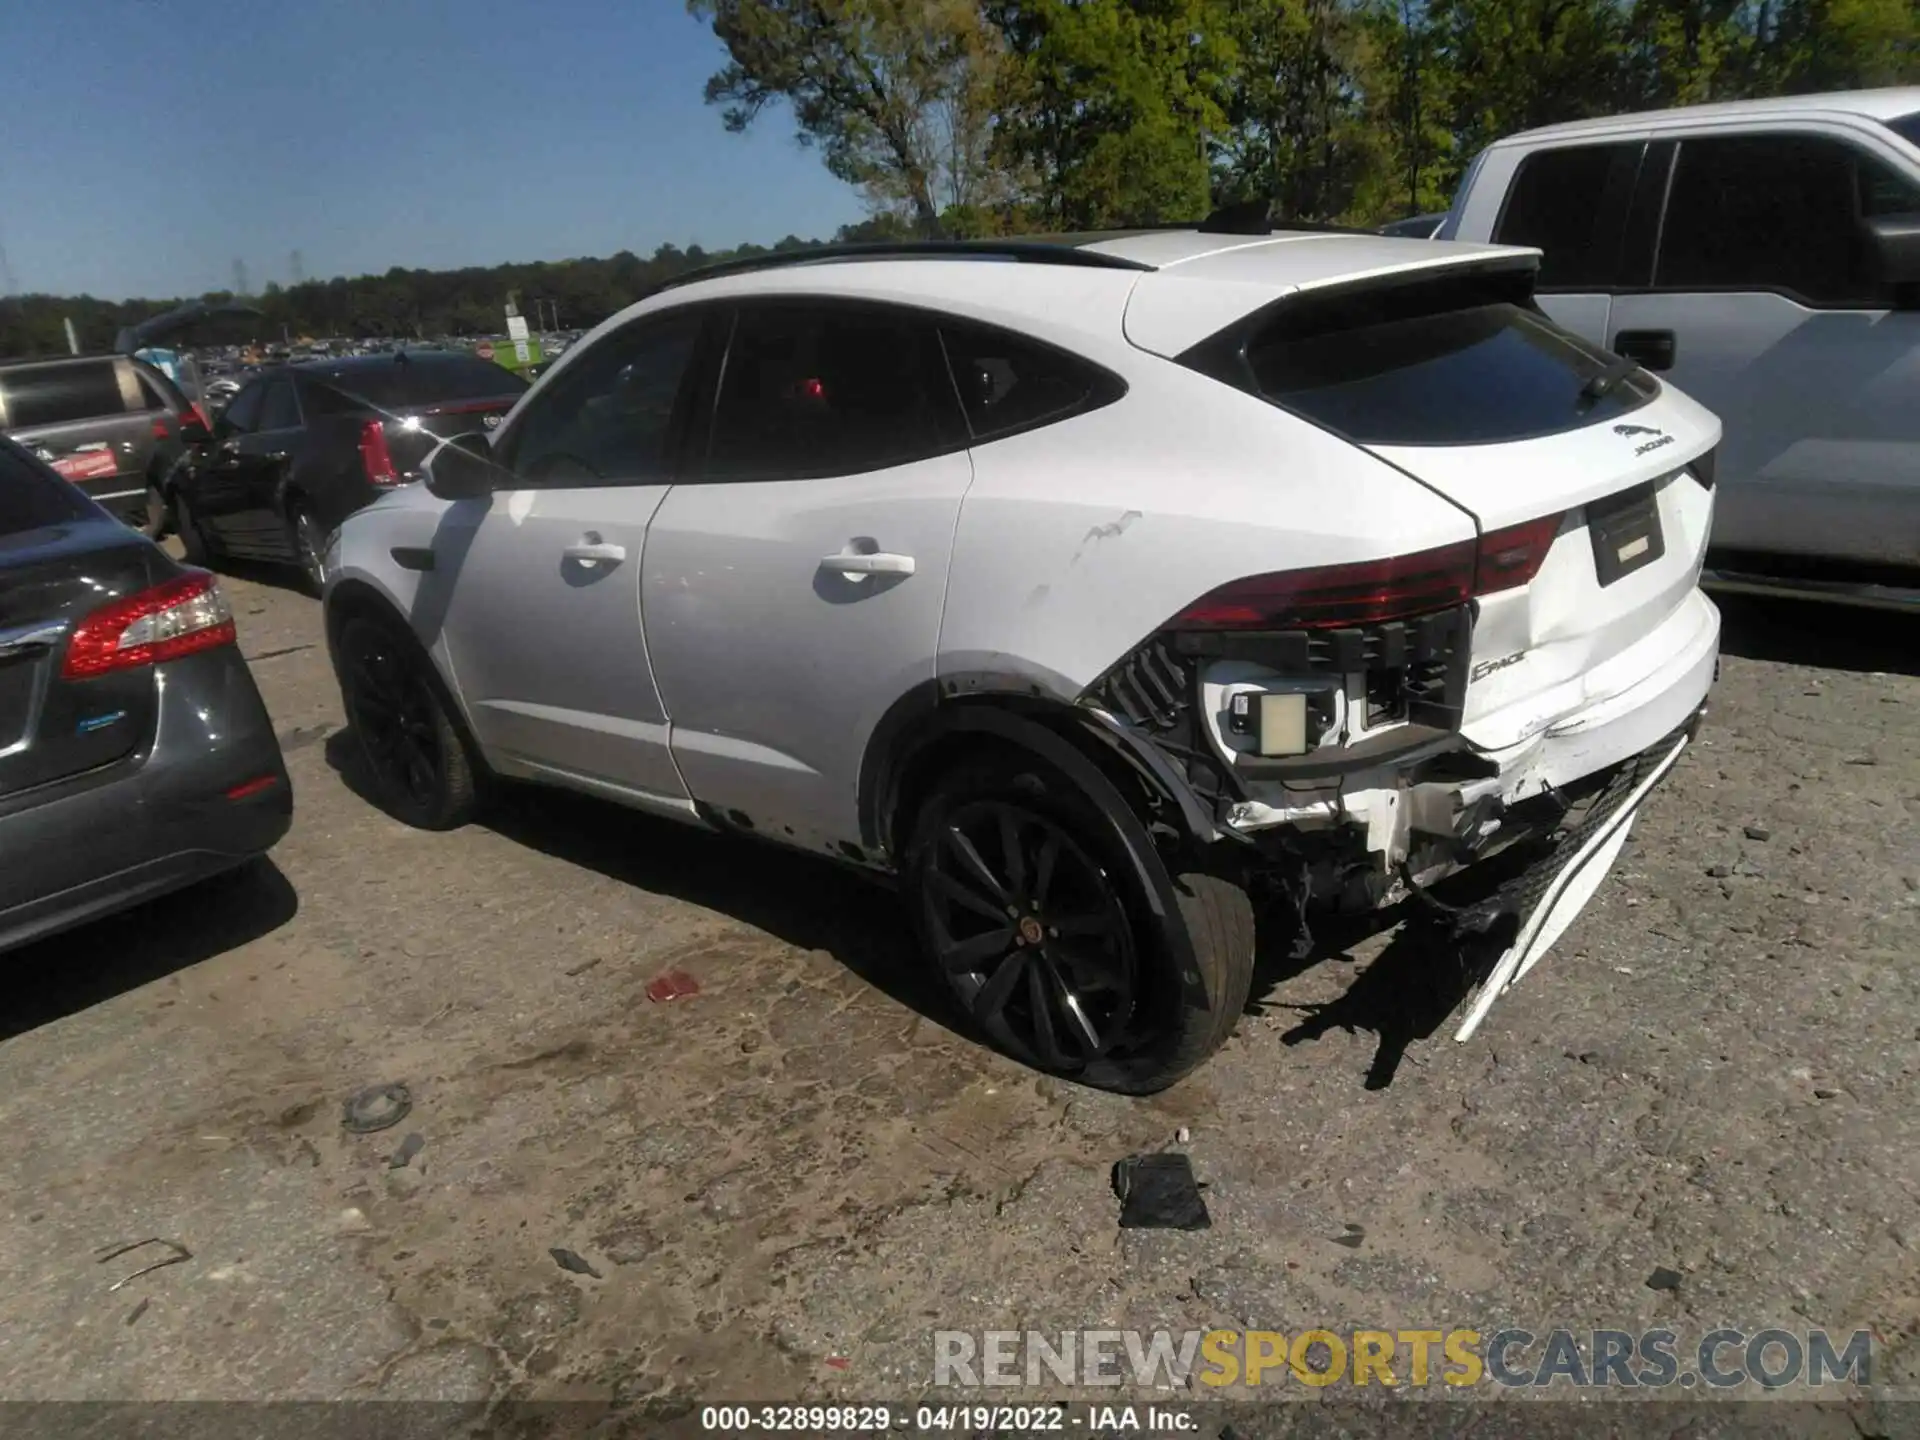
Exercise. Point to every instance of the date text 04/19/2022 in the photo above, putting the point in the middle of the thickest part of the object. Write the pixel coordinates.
(943, 1419)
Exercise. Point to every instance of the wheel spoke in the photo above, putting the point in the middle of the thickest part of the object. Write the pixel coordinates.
(1079, 1025)
(1040, 1002)
(1011, 855)
(1043, 866)
(964, 895)
(966, 956)
(1089, 976)
(993, 996)
(970, 857)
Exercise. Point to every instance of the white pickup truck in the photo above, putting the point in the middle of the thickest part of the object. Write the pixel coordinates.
(1765, 257)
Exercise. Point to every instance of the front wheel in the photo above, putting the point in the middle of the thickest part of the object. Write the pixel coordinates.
(1060, 932)
(421, 772)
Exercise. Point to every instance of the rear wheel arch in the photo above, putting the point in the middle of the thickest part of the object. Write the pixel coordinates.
(923, 736)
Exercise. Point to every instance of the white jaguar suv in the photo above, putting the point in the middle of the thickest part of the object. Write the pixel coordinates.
(1083, 586)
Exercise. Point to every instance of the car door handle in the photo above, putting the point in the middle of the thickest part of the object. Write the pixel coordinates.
(596, 552)
(880, 564)
(1655, 349)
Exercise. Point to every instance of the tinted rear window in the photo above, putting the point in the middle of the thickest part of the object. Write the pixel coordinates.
(32, 497)
(57, 394)
(1448, 364)
(426, 382)
(1008, 384)
(1907, 126)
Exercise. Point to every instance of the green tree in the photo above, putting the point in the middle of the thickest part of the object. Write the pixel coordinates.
(1297, 120)
(1108, 108)
(896, 94)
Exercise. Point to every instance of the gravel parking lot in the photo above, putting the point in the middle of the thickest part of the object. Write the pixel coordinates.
(786, 1182)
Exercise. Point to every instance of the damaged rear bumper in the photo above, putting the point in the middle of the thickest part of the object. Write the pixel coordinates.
(1550, 894)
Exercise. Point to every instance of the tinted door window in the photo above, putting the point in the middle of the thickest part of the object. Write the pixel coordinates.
(608, 420)
(280, 411)
(818, 389)
(243, 414)
(1571, 205)
(1777, 212)
(1008, 383)
(57, 394)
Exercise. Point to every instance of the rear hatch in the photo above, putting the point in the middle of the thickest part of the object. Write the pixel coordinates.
(1589, 481)
(405, 409)
(62, 559)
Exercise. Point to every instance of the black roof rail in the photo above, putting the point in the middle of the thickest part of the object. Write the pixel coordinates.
(1029, 252)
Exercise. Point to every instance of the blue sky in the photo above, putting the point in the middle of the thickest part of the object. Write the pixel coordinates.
(148, 143)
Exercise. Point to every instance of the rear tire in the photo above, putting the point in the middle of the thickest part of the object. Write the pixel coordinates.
(1030, 901)
(194, 543)
(309, 546)
(417, 760)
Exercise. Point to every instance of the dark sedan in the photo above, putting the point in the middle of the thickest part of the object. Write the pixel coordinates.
(302, 447)
(135, 754)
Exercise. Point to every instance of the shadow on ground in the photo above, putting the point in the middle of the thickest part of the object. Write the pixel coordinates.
(1825, 637)
(810, 903)
(1412, 988)
(69, 972)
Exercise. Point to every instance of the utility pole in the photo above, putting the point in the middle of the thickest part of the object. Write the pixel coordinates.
(240, 282)
(296, 269)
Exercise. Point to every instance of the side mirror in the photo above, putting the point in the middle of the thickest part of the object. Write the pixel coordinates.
(461, 469)
(192, 432)
(1895, 242)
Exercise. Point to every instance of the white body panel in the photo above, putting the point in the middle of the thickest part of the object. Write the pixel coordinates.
(779, 666)
(543, 632)
(1080, 539)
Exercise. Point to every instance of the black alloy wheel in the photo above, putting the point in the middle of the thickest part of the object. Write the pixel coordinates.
(419, 766)
(1031, 934)
(309, 547)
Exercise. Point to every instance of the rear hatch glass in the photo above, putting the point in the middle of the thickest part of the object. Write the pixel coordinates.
(1464, 361)
(425, 384)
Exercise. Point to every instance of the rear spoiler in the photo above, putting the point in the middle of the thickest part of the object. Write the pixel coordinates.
(1446, 282)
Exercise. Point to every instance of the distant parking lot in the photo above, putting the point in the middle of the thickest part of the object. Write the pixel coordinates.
(784, 1183)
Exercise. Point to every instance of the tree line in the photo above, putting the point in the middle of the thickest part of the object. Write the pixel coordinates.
(401, 304)
(968, 118)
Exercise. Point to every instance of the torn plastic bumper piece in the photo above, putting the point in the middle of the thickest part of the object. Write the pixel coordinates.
(1550, 895)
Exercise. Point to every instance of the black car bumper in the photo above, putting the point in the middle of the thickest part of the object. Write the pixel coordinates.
(209, 791)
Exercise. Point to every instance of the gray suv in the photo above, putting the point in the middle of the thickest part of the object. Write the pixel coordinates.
(113, 425)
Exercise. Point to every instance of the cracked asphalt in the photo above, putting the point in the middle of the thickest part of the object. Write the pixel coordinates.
(784, 1184)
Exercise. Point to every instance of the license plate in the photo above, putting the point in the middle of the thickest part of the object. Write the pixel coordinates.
(1626, 533)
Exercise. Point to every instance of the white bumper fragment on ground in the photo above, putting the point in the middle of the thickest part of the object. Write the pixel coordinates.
(1567, 894)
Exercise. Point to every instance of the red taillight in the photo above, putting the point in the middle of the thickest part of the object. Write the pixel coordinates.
(163, 623)
(1373, 591)
(1333, 595)
(199, 417)
(161, 431)
(375, 458)
(1511, 557)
